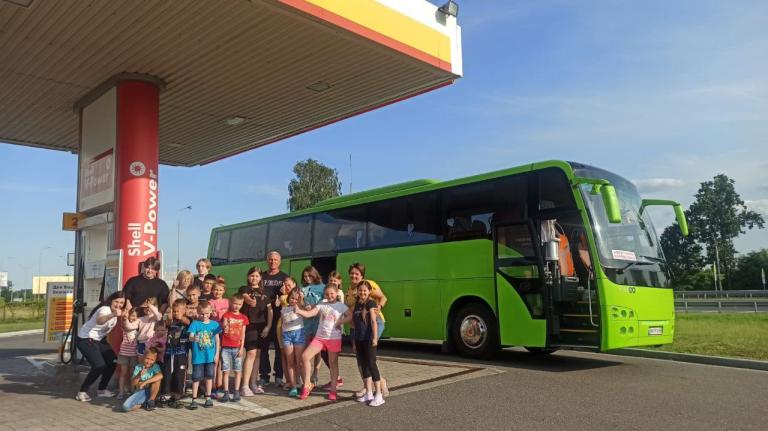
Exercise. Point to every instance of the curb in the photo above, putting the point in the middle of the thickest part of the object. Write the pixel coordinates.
(19, 333)
(696, 359)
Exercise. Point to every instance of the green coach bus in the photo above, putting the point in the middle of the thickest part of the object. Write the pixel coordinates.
(551, 255)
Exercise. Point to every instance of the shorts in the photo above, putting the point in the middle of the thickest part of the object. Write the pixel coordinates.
(333, 346)
(230, 361)
(297, 337)
(129, 362)
(141, 346)
(254, 341)
(379, 326)
(203, 370)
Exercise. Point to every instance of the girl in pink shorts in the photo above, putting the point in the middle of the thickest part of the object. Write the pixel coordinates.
(332, 315)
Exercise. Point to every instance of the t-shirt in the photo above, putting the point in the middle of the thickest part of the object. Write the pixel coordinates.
(329, 314)
(291, 320)
(272, 286)
(128, 345)
(235, 325)
(257, 314)
(158, 343)
(313, 295)
(220, 308)
(178, 339)
(93, 330)
(151, 371)
(137, 289)
(205, 296)
(204, 347)
(196, 281)
(362, 319)
(147, 324)
(351, 298)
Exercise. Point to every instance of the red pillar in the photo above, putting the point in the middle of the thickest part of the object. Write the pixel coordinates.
(137, 160)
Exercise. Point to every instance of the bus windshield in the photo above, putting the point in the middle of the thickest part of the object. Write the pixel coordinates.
(629, 251)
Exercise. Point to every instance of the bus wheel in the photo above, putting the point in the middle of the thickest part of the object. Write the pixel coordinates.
(474, 331)
(540, 350)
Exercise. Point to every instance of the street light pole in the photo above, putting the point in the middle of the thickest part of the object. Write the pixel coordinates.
(178, 237)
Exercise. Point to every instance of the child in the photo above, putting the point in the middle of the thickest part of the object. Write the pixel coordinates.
(159, 340)
(180, 286)
(127, 357)
(148, 315)
(366, 338)
(220, 306)
(282, 301)
(258, 308)
(206, 293)
(193, 298)
(313, 291)
(333, 314)
(293, 337)
(334, 278)
(146, 380)
(233, 346)
(177, 347)
(204, 336)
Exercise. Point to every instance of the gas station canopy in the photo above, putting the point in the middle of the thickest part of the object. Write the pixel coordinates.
(235, 75)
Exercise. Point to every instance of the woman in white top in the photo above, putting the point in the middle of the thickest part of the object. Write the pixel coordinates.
(90, 342)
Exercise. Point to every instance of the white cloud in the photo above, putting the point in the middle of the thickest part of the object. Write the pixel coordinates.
(758, 206)
(657, 184)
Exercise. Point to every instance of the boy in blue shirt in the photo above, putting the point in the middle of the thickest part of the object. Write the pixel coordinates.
(204, 340)
(146, 379)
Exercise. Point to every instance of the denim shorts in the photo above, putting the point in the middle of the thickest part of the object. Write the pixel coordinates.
(379, 326)
(230, 361)
(203, 370)
(141, 348)
(294, 338)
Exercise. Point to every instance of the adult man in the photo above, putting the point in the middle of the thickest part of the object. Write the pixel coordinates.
(137, 289)
(272, 280)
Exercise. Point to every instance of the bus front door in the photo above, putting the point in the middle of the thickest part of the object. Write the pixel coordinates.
(519, 287)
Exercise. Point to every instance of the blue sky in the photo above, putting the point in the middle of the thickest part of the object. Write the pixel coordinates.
(668, 94)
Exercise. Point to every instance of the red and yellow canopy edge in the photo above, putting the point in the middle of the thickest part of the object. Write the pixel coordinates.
(383, 25)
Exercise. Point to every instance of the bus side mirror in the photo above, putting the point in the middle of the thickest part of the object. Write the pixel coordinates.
(679, 213)
(611, 203)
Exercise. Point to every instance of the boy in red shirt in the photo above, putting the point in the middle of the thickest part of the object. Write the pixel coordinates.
(232, 342)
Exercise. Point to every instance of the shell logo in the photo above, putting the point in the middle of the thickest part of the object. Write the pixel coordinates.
(137, 168)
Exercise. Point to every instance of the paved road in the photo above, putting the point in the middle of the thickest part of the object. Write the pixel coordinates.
(569, 390)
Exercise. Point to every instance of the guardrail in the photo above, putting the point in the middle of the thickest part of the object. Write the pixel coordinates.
(705, 294)
(721, 305)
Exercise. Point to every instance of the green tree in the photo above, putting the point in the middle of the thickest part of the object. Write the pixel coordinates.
(684, 255)
(746, 275)
(717, 216)
(314, 183)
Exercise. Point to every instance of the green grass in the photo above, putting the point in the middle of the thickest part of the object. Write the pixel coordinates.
(22, 325)
(735, 335)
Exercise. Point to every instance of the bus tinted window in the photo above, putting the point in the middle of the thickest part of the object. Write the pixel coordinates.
(248, 243)
(470, 210)
(405, 220)
(339, 230)
(290, 237)
(220, 251)
(554, 190)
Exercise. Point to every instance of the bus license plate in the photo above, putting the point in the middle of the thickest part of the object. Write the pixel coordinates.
(656, 330)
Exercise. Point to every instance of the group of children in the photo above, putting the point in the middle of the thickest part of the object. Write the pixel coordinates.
(222, 337)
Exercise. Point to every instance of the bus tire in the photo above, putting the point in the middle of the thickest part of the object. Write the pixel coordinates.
(474, 331)
(540, 351)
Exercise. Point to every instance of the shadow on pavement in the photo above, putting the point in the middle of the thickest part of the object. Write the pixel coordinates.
(558, 362)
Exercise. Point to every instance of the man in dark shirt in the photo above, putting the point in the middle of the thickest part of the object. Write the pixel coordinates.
(137, 289)
(272, 279)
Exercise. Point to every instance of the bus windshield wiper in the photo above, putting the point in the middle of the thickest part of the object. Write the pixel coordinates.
(630, 264)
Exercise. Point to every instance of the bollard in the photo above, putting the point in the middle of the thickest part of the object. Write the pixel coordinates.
(719, 306)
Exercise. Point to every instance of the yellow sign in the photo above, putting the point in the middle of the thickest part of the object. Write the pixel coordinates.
(58, 311)
(69, 221)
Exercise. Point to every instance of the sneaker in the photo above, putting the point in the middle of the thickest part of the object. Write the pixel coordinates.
(161, 403)
(224, 398)
(236, 396)
(208, 403)
(149, 405)
(365, 398)
(121, 396)
(279, 381)
(377, 401)
(263, 382)
(247, 392)
(82, 396)
(192, 405)
(174, 404)
(332, 396)
(105, 393)
(293, 393)
(339, 383)
(304, 393)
